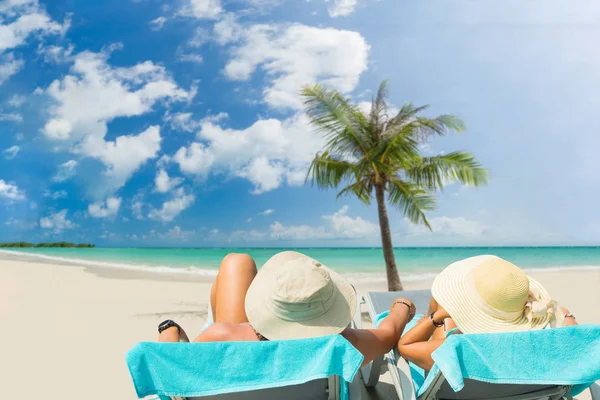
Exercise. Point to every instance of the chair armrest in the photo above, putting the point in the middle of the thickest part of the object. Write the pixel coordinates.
(370, 372)
(400, 372)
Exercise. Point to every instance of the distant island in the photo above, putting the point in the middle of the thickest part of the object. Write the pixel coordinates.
(54, 244)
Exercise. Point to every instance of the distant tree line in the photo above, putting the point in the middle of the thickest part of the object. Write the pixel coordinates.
(53, 244)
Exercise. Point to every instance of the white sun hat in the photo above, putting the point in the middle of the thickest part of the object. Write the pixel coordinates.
(487, 294)
(294, 296)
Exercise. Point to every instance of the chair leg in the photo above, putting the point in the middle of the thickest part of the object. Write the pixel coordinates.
(595, 390)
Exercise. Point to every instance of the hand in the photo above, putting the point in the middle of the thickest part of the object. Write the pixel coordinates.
(412, 309)
(440, 314)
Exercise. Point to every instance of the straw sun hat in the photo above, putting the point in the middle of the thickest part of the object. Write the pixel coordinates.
(294, 297)
(486, 294)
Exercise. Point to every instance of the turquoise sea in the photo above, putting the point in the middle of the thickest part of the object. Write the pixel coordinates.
(413, 262)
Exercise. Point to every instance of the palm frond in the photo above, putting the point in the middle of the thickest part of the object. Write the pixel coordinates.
(327, 172)
(379, 108)
(407, 113)
(398, 144)
(340, 122)
(435, 172)
(411, 199)
(442, 125)
(361, 189)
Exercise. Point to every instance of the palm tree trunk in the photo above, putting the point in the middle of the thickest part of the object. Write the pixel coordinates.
(393, 279)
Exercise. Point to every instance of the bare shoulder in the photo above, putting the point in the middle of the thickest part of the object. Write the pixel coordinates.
(226, 332)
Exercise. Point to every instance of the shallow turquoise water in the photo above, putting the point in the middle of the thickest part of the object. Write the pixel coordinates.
(347, 260)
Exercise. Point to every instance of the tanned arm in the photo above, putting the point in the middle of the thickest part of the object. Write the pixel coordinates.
(415, 345)
(373, 343)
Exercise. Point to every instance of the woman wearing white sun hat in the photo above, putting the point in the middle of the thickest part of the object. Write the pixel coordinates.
(483, 294)
(292, 296)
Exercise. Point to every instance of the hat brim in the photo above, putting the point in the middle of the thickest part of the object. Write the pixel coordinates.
(265, 322)
(451, 292)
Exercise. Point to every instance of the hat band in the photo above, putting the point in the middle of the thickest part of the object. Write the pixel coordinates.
(304, 311)
(486, 308)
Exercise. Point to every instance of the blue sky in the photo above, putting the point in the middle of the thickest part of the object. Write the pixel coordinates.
(177, 123)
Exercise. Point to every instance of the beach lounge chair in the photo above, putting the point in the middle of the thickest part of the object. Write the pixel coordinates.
(437, 386)
(331, 371)
(319, 368)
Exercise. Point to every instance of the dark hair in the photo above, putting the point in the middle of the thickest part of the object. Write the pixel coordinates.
(259, 336)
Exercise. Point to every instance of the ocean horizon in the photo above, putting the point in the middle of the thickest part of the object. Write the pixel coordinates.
(365, 263)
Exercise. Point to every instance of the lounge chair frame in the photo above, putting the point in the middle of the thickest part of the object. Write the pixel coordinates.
(328, 389)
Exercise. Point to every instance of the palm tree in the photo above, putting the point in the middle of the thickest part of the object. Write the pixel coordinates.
(373, 152)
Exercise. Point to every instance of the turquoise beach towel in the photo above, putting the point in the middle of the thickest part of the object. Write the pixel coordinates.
(560, 356)
(202, 369)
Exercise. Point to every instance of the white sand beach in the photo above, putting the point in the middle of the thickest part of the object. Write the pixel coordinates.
(66, 329)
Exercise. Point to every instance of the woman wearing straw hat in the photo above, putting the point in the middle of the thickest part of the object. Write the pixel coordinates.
(292, 296)
(483, 294)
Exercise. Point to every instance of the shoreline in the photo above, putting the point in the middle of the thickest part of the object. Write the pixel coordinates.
(208, 273)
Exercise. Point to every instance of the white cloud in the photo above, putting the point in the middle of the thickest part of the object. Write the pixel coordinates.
(20, 20)
(163, 183)
(268, 211)
(16, 100)
(296, 55)
(9, 66)
(27, 20)
(246, 236)
(122, 157)
(20, 224)
(452, 226)
(181, 121)
(59, 194)
(106, 209)
(176, 233)
(196, 159)
(137, 207)
(158, 23)
(65, 171)
(227, 30)
(172, 208)
(10, 191)
(201, 9)
(188, 52)
(190, 57)
(95, 93)
(56, 54)
(267, 153)
(12, 117)
(348, 227)
(201, 36)
(57, 222)
(338, 226)
(215, 118)
(265, 174)
(298, 232)
(341, 8)
(11, 152)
